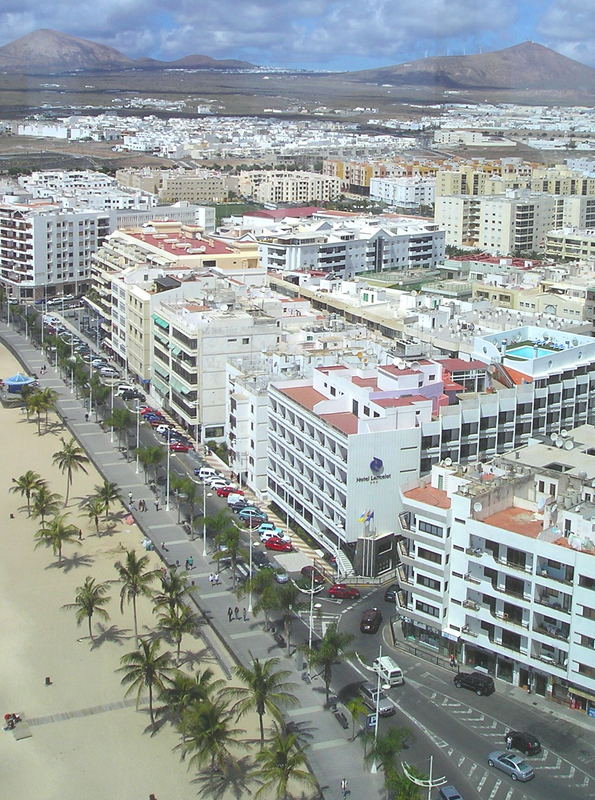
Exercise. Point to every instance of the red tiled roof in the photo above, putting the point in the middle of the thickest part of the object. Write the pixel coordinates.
(281, 213)
(372, 383)
(517, 520)
(343, 421)
(306, 396)
(168, 244)
(451, 386)
(516, 376)
(406, 400)
(430, 496)
(392, 370)
(459, 364)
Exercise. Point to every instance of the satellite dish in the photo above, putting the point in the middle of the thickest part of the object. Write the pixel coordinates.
(559, 442)
(541, 504)
(568, 444)
(563, 433)
(447, 462)
(554, 508)
(554, 437)
(477, 506)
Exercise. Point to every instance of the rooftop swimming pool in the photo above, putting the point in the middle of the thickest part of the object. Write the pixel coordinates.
(528, 352)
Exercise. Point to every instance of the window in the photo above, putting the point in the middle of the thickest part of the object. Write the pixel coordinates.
(587, 641)
(586, 582)
(426, 609)
(427, 527)
(246, 340)
(430, 583)
(589, 613)
(430, 555)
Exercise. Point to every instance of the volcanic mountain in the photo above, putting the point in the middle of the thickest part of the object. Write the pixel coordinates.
(48, 51)
(523, 66)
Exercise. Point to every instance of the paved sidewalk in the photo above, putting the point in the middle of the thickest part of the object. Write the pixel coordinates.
(331, 754)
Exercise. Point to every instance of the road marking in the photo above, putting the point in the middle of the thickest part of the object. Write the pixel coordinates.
(295, 712)
(328, 745)
(461, 761)
(495, 790)
(244, 634)
(481, 782)
(472, 770)
(168, 525)
(509, 794)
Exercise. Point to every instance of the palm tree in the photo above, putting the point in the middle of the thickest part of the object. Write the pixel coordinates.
(357, 708)
(208, 735)
(176, 622)
(228, 537)
(331, 647)
(266, 602)
(401, 788)
(35, 403)
(177, 485)
(71, 458)
(150, 456)
(90, 599)
(50, 397)
(108, 493)
(265, 690)
(120, 420)
(136, 580)
(288, 603)
(55, 532)
(26, 485)
(180, 691)
(283, 761)
(94, 506)
(45, 503)
(385, 749)
(145, 668)
(174, 586)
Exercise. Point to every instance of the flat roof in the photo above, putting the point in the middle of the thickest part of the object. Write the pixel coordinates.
(306, 396)
(460, 365)
(516, 520)
(430, 496)
(344, 421)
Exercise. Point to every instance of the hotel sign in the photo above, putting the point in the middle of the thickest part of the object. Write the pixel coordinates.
(377, 470)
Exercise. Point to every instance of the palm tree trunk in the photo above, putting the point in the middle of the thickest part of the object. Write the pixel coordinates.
(90, 631)
(261, 724)
(28, 503)
(151, 704)
(135, 622)
(179, 644)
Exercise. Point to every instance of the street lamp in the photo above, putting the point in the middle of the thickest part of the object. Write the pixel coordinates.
(311, 591)
(111, 391)
(137, 436)
(428, 783)
(205, 494)
(167, 470)
(374, 767)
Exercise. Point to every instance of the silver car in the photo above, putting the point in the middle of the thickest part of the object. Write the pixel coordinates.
(370, 695)
(511, 764)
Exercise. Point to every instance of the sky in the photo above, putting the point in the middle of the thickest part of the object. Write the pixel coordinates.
(312, 34)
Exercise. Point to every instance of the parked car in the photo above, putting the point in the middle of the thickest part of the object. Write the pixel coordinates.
(281, 576)
(277, 544)
(180, 447)
(371, 619)
(133, 394)
(476, 681)
(146, 410)
(251, 512)
(236, 503)
(108, 372)
(225, 491)
(163, 429)
(376, 699)
(269, 526)
(526, 742)
(205, 472)
(218, 483)
(343, 592)
(312, 574)
(264, 537)
(125, 387)
(449, 793)
(390, 593)
(511, 764)
(260, 559)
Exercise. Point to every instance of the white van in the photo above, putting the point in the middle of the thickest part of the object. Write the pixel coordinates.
(206, 472)
(390, 672)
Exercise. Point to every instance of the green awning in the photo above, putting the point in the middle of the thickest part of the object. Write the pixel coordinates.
(179, 387)
(161, 371)
(176, 351)
(161, 322)
(161, 338)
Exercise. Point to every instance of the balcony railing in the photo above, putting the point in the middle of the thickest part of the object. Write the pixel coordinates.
(554, 606)
(554, 633)
(513, 565)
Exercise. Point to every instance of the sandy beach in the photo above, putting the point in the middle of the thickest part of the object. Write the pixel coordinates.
(85, 743)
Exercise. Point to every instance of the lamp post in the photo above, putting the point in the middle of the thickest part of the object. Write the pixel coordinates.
(167, 470)
(111, 430)
(205, 494)
(374, 767)
(429, 782)
(137, 436)
(311, 591)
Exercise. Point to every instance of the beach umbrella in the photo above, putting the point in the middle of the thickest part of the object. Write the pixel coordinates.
(16, 382)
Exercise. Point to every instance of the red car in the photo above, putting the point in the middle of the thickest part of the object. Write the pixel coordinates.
(309, 571)
(343, 592)
(180, 447)
(154, 423)
(147, 410)
(274, 543)
(225, 491)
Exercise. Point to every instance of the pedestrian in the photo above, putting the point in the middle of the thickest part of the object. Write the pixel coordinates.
(164, 547)
(132, 506)
(211, 578)
(190, 562)
(453, 661)
(177, 564)
(80, 534)
(230, 613)
(130, 497)
(237, 612)
(86, 417)
(216, 579)
(344, 788)
(187, 565)
(156, 505)
(245, 614)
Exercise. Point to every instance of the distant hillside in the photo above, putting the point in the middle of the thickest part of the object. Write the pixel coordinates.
(50, 51)
(524, 66)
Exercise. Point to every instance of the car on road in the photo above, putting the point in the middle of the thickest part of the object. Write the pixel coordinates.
(251, 512)
(511, 764)
(278, 545)
(312, 574)
(205, 472)
(180, 447)
(370, 621)
(523, 741)
(281, 576)
(343, 592)
(225, 491)
(476, 681)
(133, 394)
(449, 793)
(376, 699)
(108, 372)
(390, 593)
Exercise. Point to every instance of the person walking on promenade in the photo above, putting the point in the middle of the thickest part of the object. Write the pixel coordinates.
(216, 579)
(237, 612)
(156, 505)
(245, 615)
(230, 613)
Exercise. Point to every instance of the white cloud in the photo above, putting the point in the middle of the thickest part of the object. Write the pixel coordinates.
(569, 27)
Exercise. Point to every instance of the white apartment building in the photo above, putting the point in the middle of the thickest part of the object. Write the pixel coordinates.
(192, 342)
(410, 192)
(354, 245)
(503, 224)
(288, 187)
(498, 565)
(47, 250)
(84, 188)
(571, 244)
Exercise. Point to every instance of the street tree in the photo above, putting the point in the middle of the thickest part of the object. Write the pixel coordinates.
(265, 690)
(332, 646)
(108, 494)
(181, 690)
(172, 595)
(385, 749)
(176, 622)
(94, 507)
(288, 602)
(89, 600)
(358, 709)
(281, 763)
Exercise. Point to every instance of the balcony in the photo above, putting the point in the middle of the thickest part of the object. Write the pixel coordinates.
(554, 605)
(561, 632)
(527, 568)
(471, 604)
